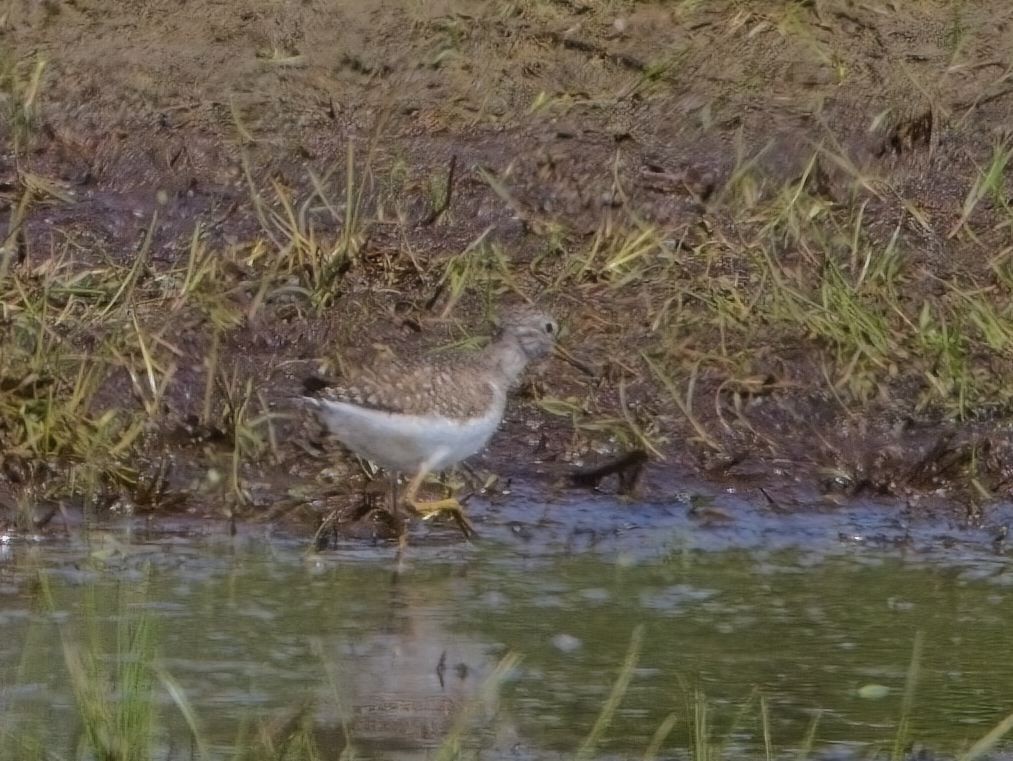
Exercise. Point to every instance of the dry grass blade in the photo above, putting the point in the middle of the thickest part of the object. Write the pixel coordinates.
(685, 405)
(983, 746)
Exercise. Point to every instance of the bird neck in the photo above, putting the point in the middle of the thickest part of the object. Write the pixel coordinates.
(507, 360)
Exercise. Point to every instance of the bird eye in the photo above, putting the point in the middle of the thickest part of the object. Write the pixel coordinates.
(549, 327)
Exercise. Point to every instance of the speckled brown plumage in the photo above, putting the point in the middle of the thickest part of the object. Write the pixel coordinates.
(457, 387)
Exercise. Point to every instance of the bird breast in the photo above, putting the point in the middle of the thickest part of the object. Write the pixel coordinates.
(407, 443)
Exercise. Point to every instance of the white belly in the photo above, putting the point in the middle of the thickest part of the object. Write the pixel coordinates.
(407, 443)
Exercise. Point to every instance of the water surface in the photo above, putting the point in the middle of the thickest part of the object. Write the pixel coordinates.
(388, 656)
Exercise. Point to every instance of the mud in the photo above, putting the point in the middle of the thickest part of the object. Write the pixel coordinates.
(585, 117)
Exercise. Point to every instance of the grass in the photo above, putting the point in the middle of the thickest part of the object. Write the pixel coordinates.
(797, 273)
(804, 275)
(810, 280)
(53, 424)
(89, 362)
(20, 84)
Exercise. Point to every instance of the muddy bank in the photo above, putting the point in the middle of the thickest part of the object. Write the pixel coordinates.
(778, 236)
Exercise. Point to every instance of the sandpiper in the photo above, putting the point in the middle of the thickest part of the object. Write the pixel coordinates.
(421, 417)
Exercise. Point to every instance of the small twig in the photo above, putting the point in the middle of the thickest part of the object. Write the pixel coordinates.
(628, 467)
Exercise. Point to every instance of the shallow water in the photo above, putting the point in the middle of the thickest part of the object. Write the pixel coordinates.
(821, 623)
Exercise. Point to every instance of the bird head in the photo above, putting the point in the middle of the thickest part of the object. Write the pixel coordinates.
(533, 330)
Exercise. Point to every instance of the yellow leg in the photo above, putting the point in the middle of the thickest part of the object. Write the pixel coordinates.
(430, 508)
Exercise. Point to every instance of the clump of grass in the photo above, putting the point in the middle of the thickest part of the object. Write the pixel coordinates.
(115, 698)
(296, 248)
(989, 184)
(89, 362)
(779, 285)
(481, 270)
(51, 381)
(289, 740)
(207, 285)
(248, 426)
(804, 273)
(20, 85)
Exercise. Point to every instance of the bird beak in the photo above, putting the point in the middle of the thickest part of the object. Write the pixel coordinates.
(563, 354)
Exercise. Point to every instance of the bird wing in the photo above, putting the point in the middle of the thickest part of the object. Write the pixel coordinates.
(425, 389)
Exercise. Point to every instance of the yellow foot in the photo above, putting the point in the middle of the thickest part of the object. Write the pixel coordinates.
(448, 506)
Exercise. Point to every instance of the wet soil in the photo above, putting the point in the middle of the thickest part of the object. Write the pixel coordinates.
(533, 126)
